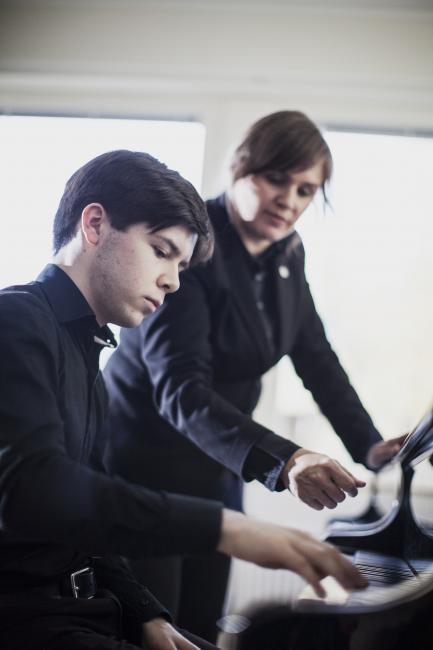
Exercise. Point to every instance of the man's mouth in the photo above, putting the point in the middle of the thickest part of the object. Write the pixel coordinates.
(154, 302)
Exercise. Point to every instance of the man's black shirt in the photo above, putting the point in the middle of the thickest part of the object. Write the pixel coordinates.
(57, 505)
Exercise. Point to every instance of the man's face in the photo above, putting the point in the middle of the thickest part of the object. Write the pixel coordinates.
(133, 270)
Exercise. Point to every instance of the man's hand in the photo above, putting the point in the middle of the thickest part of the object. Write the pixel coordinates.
(277, 547)
(317, 480)
(381, 452)
(159, 634)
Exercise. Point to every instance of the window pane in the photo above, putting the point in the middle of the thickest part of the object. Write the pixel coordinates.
(39, 154)
(370, 266)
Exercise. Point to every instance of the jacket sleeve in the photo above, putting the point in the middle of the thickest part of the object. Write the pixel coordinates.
(45, 496)
(176, 348)
(321, 372)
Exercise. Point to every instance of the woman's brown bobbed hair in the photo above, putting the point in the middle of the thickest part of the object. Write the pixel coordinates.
(282, 141)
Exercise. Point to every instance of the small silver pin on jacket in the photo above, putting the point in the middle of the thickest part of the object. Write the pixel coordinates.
(284, 272)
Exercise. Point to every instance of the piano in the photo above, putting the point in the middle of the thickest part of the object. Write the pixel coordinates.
(395, 553)
(397, 533)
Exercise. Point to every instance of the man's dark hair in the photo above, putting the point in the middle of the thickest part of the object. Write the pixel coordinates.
(133, 187)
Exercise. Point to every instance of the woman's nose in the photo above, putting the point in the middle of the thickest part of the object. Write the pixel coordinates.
(288, 197)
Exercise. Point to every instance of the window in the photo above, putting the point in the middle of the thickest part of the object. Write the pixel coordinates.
(39, 154)
(370, 266)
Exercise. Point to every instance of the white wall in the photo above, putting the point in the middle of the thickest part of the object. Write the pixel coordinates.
(358, 62)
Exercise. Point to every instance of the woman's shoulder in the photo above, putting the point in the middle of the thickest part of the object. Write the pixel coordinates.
(294, 247)
(218, 215)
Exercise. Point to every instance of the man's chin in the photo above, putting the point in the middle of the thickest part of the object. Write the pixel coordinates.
(131, 320)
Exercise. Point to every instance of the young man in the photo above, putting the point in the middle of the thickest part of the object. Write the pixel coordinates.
(125, 227)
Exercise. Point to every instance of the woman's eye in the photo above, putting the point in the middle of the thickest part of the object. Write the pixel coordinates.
(276, 178)
(306, 191)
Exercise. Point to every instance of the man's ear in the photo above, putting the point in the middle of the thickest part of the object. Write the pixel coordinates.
(93, 219)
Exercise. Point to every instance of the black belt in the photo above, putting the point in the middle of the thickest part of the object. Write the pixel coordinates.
(78, 584)
(82, 583)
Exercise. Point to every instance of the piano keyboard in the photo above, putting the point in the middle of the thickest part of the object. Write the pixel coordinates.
(383, 570)
(391, 580)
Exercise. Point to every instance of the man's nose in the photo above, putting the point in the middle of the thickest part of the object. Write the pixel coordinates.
(170, 281)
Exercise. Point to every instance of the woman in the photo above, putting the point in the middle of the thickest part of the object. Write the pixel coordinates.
(184, 385)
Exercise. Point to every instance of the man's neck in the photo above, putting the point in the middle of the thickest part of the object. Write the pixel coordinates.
(71, 259)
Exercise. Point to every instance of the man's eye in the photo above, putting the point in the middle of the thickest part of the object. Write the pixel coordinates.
(159, 252)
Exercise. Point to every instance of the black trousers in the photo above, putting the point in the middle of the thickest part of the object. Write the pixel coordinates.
(42, 623)
(192, 588)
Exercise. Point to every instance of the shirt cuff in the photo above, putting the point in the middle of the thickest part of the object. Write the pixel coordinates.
(266, 460)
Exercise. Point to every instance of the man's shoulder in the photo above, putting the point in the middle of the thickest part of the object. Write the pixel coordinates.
(23, 296)
(25, 303)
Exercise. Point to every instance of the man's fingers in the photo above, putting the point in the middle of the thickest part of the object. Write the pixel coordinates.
(276, 547)
(306, 569)
(348, 574)
(184, 644)
(159, 634)
(328, 561)
(320, 560)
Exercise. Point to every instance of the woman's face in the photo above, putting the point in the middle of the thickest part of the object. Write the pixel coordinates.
(266, 206)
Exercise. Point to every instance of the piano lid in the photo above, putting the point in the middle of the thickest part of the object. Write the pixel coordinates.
(418, 443)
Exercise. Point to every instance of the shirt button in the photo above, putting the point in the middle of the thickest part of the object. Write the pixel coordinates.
(260, 305)
(259, 276)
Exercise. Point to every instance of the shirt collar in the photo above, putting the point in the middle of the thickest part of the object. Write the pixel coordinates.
(69, 304)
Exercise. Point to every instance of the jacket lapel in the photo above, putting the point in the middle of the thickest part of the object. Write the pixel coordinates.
(242, 291)
(285, 271)
(238, 277)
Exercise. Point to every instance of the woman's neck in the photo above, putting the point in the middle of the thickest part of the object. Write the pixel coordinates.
(255, 245)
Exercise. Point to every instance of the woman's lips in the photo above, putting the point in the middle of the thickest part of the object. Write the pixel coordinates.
(278, 219)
